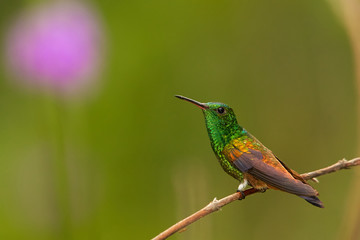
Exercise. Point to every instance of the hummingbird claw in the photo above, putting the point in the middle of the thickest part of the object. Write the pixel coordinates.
(242, 195)
(262, 190)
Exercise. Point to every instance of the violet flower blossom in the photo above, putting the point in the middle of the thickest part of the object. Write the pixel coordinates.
(55, 46)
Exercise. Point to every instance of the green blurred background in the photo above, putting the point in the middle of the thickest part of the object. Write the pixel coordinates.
(132, 160)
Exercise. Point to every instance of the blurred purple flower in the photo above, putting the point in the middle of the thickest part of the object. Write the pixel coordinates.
(56, 46)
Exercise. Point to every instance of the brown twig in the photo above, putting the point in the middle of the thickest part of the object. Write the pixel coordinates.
(215, 205)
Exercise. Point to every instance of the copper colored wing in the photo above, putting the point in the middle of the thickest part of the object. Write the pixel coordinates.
(295, 174)
(251, 162)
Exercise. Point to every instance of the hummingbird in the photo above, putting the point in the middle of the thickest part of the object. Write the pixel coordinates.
(246, 159)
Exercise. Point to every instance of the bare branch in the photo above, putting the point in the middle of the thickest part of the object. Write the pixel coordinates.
(342, 164)
(215, 205)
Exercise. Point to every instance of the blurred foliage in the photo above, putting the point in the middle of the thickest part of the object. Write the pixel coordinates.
(131, 160)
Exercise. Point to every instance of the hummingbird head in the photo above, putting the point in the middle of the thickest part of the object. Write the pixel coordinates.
(220, 120)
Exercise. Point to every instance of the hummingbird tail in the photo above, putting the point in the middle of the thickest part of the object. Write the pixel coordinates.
(313, 200)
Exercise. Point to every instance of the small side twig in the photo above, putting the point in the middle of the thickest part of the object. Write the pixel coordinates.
(215, 205)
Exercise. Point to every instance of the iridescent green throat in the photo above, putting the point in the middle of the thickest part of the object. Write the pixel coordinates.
(222, 130)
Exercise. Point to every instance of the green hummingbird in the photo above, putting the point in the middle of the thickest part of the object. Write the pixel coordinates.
(246, 159)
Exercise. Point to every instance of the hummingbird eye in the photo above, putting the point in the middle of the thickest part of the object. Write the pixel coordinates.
(220, 110)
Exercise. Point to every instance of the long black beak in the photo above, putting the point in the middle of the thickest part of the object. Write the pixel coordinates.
(199, 104)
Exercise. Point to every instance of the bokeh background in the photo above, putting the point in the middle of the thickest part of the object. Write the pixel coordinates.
(93, 145)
